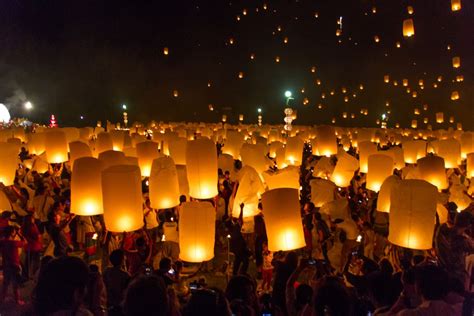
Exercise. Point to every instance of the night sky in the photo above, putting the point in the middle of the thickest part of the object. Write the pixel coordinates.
(73, 58)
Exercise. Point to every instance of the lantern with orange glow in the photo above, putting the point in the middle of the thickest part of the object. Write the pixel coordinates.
(233, 143)
(86, 187)
(122, 197)
(294, 150)
(456, 62)
(379, 168)
(470, 165)
(118, 139)
(383, 199)
(112, 158)
(412, 214)
(281, 209)
(284, 178)
(408, 28)
(414, 150)
(196, 231)
(455, 5)
(201, 166)
(36, 143)
(77, 150)
(248, 192)
(146, 153)
(56, 146)
(322, 191)
(431, 169)
(103, 143)
(326, 141)
(164, 185)
(366, 148)
(344, 171)
(8, 163)
(450, 150)
(177, 149)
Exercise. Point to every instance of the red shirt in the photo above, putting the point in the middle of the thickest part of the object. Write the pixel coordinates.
(9, 249)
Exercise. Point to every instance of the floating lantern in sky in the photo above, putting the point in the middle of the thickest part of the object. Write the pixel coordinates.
(386, 78)
(146, 152)
(175, 93)
(412, 214)
(196, 231)
(410, 10)
(454, 95)
(376, 38)
(165, 51)
(241, 75)
(201, 163)
(455, 5)
(439, 117)
(86, 187)
(122, 197)
(277, 59)
(408, 28)
(282, 219)
(456, 62)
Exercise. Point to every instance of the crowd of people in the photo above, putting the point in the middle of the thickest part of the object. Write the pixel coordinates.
(347, 267)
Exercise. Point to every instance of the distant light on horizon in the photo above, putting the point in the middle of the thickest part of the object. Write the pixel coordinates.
(288, 94)
(28, 105)
(124, 106)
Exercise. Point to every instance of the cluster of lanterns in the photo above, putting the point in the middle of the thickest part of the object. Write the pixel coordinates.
(108, 168)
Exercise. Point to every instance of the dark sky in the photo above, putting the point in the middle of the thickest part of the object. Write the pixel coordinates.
(87, 57)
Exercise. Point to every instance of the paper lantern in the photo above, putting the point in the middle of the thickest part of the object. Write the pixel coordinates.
(467, 143)
(196, 231)
(413, 150)
(77, 150)
(408, 28)
(274, 146)
(322, 191)
(450, 150)
(455, 95)
(103, 142)
(431, 169)
(72, 133)
(326, 141)
(40, 165)
(288, 177)
(398, 158)
(177, 149)
(8, 163)
(337, 209)
(225, 162)
(146, 153)
(86, 133)
(455, 5)
(56, 146)
(122, 196)
(383, 199)
(183, 180)
(254, 156)
(118, 138)
(294, 151)
(164, 185)
(201, 163)
(456, 62)
(281, 209)
(379, 168)
(412, 214)
(366, 149)
(248, 192)
(439, 117)
(86, 187)
(344, 171)
(233, 143)
(470, 166)
(414, 124)
(111, 158)
(36, 143)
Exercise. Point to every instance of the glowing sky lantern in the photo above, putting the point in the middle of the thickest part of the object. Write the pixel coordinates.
(431, 169)
(294, 150)
(450, 150)
(284, 178)
(408, 28)
(410, 10)
(281, 209)
(412, 214)
(383, 199)
(413, 150)
(163, 184)
(326, 141)
(86, 187)
(470, 165)
(456, 62)
(165, 51)
(56, 146)
(439, 117)
(9, 163)
(379, 168)
(147, 152)
(78, 149)
(344, 171)
(196, 231)
(201, 166)
(250, 187)
(322, 191)
(455, 5)
(122, 197)
(366, 148)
